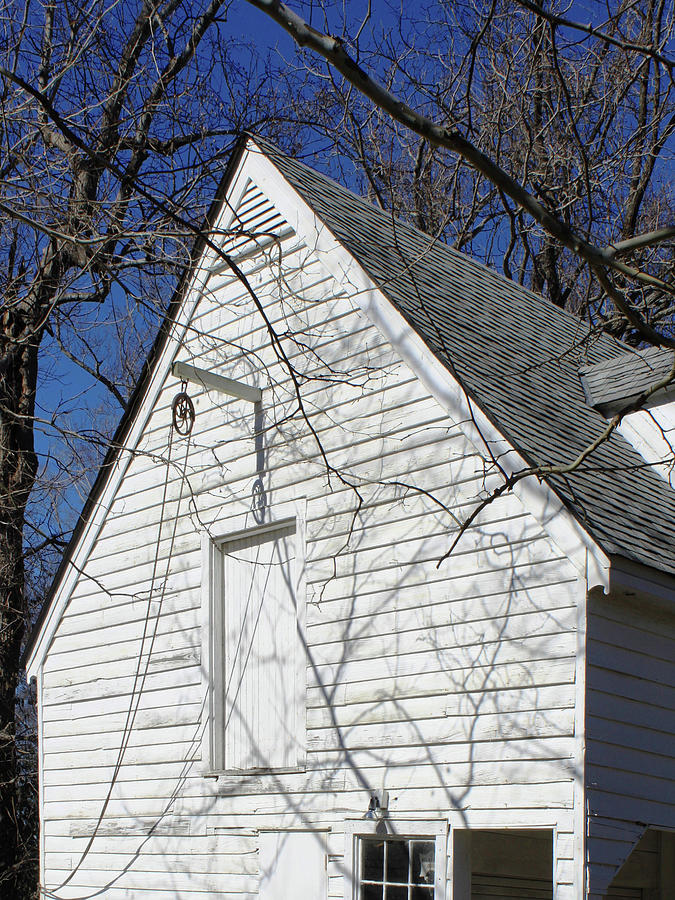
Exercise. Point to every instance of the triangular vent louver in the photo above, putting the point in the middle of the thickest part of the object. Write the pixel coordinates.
(256, 223)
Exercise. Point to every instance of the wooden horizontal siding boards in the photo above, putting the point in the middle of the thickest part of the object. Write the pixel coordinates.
(487, 595)
(464, 780)
(631, 723)
(405, 765)
(516, 797)
(464, 766)
(161, 883)
(453, 686)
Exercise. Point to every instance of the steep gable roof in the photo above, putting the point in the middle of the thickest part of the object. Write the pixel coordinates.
(516, 355)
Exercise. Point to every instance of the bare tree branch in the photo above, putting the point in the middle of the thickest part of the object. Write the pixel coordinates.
(333, 50)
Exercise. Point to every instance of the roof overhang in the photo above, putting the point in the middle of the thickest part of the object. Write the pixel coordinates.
(612, 385)
(537, 496)
(631, 579)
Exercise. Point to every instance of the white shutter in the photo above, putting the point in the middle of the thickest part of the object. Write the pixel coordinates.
(261, 650)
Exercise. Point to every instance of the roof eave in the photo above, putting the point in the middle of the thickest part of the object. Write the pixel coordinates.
(539, 496)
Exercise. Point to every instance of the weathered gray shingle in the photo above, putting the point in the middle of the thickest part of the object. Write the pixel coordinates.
(516, 355)
(614, 383)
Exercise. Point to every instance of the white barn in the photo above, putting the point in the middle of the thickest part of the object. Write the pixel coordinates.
(254, 677)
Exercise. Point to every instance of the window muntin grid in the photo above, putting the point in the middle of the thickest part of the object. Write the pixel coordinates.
(397, 869)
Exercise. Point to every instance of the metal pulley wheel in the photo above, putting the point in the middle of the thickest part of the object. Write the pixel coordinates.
(183, 412)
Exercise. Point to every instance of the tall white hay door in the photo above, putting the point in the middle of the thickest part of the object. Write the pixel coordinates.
(263, 688)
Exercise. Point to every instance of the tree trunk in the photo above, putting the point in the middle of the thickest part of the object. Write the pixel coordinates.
(18, 465)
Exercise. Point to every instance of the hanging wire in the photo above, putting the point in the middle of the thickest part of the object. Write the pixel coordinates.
(140, 676)
(183, 417)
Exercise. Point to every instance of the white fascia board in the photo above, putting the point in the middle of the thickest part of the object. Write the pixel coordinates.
(536, 496)
(198, 282)
(649, 430)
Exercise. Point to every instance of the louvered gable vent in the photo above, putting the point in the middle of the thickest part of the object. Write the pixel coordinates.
(256, 223)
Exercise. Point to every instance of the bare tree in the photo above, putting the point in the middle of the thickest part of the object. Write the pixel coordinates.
(536, 142)
(114, 121)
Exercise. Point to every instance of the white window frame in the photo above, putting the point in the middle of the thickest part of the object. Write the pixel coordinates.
(461, 869)
(213, 543)
(393, 828)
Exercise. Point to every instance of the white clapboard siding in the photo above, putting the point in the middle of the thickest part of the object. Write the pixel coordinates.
(145, 781)
(454, 687)
(630, 728)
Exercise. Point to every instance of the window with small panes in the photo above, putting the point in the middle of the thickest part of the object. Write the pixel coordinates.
(396, 868)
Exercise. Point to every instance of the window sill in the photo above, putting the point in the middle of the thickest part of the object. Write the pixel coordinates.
(253, 773)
